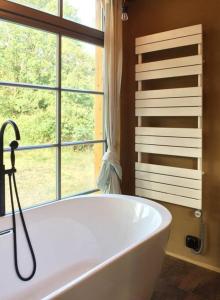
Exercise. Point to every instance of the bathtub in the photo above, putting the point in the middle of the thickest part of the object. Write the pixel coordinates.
(107, 247)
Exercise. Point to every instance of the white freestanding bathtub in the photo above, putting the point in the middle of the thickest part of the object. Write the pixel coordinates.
(106, 247)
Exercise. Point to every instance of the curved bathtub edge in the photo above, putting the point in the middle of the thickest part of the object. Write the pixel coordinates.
(167, 219)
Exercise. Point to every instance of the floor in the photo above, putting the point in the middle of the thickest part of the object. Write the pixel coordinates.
(180, 280)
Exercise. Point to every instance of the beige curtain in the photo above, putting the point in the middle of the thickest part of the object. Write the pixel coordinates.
(111, 174)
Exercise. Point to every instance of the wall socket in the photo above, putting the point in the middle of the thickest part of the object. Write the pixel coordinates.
(193, 242)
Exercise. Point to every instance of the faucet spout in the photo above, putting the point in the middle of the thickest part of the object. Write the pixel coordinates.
(2, 167)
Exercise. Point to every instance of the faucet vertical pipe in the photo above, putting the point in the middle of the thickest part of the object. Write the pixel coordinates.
(2, 190)
(2, 166)
(2, 177)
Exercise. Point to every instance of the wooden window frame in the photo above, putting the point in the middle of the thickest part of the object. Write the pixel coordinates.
(57, 24)
(37, 19)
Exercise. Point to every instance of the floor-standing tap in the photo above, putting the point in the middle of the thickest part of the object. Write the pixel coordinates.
(12, 182)
(3, 172)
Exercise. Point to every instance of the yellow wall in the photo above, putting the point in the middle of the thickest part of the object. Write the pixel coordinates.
(151, 16)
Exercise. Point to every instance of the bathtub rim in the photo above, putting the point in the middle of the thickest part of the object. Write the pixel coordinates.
(165, 223)
(5, 220)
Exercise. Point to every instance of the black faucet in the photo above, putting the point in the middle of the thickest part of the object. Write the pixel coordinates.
(3, 172)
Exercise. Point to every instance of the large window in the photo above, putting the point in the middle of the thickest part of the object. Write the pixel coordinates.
(51, 85)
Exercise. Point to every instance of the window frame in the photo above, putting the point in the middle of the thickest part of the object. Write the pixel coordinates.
(23, 15)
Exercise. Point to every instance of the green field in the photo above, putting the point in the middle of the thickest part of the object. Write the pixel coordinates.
(36, 174)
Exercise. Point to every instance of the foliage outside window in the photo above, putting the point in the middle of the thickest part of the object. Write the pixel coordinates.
(51, 85)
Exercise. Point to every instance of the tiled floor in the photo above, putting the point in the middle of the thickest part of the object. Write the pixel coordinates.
(180, 280)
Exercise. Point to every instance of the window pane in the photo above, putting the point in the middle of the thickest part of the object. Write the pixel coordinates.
(27, 55)
(80, 168)
(86, 12)
(35, 175)
(81, 65)
(49, 6)
(33, 111)
(81, 117)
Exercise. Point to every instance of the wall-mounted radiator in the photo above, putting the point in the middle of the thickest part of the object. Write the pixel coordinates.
(178, 185)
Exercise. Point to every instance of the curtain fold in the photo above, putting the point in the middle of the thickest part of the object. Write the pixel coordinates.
(111, 173)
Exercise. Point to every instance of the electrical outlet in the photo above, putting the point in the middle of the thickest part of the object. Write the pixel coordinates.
(193, 242)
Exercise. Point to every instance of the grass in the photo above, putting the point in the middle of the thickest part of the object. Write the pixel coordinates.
(36, 177)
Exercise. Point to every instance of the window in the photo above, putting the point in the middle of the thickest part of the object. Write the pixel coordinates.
(85, 12)
(51, 85)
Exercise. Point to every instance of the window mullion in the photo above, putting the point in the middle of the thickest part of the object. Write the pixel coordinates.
(58, 119)
(60, 6)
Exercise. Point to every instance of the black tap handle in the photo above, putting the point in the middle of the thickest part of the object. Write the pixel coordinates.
(12, 158)
(13, 145)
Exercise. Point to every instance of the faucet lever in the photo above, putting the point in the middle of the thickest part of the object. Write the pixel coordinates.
(13, 145)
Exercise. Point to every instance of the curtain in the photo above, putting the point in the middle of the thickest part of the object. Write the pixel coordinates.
(111, 173)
